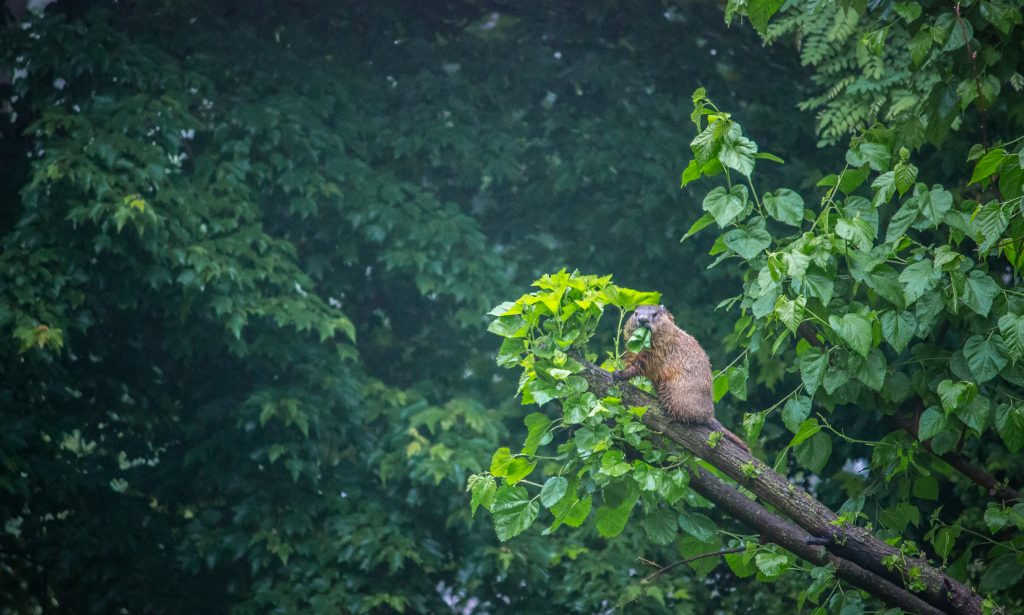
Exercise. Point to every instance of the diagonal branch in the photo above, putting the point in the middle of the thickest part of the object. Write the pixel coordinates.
(973, 57)
(796, 541)
(646, 581)
(854, 544)
(960, 463)
(663, 569)
(978, 475)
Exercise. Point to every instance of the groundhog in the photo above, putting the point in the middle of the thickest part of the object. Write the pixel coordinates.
(678, 367)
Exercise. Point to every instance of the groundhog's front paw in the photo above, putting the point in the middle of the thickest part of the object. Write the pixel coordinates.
(619, 375)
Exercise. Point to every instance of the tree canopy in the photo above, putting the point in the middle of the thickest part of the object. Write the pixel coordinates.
(247, 249)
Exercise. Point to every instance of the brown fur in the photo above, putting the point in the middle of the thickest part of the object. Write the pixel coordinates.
(677, 366)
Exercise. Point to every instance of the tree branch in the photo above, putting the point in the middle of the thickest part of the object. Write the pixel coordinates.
(978, 475)
(793, 539)
(973, 57)
(960, 463)
(646, 581)
(663, 569)
(852, 543)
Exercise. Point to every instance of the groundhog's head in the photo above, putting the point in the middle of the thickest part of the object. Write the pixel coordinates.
(653, 317)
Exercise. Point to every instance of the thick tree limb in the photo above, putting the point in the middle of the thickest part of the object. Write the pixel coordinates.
(851, 543)
(793, 539)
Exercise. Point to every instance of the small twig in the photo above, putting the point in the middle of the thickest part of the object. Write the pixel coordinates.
(657, 573)
(973, 56)
(646, 581)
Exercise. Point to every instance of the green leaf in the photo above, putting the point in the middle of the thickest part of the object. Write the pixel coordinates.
(856, 231)
(988, 165)
(991, 222)
(725, 206)
(571, 510)
(877, 155)
(753, 422)
(592, 438)
(795, 412)
(996, 518)
(771, 564)
(812, 368)
(790, 312)
(737, 152)
(613, 463)
(955, 395)
(875, 41)
(899, 516)
(785, 206)
(979, 291)
(706, 144)
(536, 425)
(926, 488)
(917, 279)
(553, 490)
(511, 351)
(807, 429)
(640, 340)
(909, 11)
(697, 525)
(935, 204)
(577, 408)
(518, 469)
(699, 225)
(1011, 326)
(870, 370)
(1010, 425)
(768, 156)
(690, 173)
(1001, 14)
(748, 243)
(818, 285)
(977, 414)
(1002, 572)
(920, 46)
(885, 184)
(985, 356)
(944, 541)
(904, 175)
(853, 329)
(504, 309)
(482, 490)
(660, 526)
(932, 422)
(901, 222)
(760, 11)
(500, 461)
(611, 520)
(814, 453)
(508, 326)
(629, 299)
(689, 547)
(513, 512)
(898, 328)
(742, 564)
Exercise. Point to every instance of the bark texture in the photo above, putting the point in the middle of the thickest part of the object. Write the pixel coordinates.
(850, 544)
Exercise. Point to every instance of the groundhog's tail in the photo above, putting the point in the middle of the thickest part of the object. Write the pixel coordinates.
(717, 426)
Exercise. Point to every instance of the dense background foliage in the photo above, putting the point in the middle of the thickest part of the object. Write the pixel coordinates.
(247, 249)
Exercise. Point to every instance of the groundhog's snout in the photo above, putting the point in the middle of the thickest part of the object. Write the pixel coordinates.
(643, 321)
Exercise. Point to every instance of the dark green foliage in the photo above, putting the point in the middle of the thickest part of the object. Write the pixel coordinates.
(245, 253)
(893, 345)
